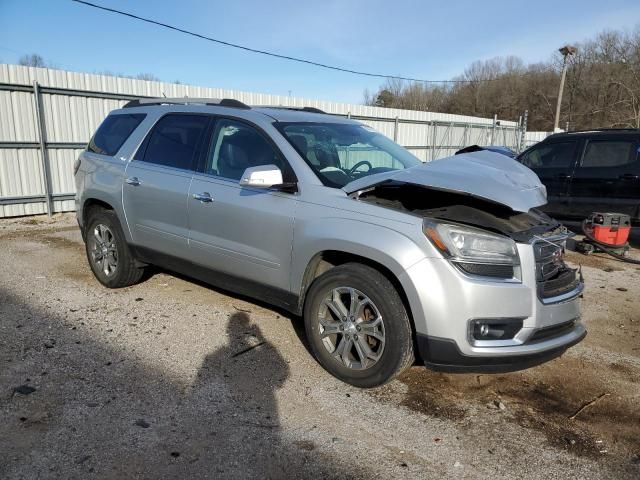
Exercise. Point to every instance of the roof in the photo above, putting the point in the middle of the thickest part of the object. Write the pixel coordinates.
(289, 115)
(213, 105)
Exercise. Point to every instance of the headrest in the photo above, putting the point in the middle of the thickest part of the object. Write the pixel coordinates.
(300, 142)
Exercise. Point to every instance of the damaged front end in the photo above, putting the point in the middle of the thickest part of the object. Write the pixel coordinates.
(479, 236)
(504, 299)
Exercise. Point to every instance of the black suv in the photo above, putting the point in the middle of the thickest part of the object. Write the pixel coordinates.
(589, 171)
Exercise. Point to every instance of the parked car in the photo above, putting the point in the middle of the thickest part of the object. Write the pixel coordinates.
(589, 171)
(387, 259)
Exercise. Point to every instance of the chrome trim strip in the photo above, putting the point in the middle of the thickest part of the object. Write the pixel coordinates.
(530, 348)
(517, 269)
(565, 297)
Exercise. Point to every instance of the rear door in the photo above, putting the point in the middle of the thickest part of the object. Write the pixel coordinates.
(242, 231)
(156, 187)
(553, 161)
(607, 177)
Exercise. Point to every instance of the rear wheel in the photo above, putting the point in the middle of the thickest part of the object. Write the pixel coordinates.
(357, 325)
(109, 255)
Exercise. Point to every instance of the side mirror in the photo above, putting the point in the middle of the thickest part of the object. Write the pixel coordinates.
(263, 176)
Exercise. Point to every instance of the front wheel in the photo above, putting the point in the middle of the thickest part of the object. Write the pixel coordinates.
(357, 325)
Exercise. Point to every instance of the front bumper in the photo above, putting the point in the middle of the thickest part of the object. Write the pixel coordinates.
(443, 355)
(444, 301)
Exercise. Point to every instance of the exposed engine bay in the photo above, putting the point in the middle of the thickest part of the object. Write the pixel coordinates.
(429, 202)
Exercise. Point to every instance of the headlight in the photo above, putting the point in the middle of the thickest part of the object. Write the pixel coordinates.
(471, 245)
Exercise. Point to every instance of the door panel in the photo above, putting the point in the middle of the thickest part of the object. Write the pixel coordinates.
(554, 162)
(245, 232)
(242, 231)
(156, 188)
(607, 178)
(156, 208)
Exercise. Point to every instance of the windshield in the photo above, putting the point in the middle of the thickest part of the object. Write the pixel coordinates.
(340, 153)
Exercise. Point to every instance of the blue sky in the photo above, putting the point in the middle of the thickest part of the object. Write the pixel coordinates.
(423, 39)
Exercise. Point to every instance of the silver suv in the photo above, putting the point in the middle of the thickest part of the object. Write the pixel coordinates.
(387, 259)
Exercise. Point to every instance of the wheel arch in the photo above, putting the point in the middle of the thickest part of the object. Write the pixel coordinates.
(325, 260)
(92, 202)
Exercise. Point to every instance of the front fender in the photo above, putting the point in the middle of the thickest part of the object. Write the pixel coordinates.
(386, 246)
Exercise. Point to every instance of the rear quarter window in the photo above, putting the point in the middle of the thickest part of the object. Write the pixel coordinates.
(113, 132)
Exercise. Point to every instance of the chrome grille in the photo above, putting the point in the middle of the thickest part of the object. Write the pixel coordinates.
(549, 258)
(554, 277)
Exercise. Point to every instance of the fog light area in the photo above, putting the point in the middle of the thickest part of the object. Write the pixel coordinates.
(495, 329)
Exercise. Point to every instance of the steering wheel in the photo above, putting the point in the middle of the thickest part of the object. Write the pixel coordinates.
(353, 169)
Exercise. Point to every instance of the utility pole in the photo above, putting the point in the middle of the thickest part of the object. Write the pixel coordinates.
(523, 132)
(493, 128)
(566, 51)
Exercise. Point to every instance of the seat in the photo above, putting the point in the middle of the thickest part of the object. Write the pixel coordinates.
(300, 142)
(233, 160)
(327, 155)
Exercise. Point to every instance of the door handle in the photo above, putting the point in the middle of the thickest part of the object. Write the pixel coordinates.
(133, 181)
(203, 197)
(629, 176)
(564, 176)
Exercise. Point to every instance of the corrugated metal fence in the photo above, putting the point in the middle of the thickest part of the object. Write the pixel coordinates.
(531, 138)
(47, 116)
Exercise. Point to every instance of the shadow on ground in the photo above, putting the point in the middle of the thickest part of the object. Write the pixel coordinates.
(97, 409)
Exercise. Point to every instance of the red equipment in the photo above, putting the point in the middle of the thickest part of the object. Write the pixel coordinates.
(610, 229)
(607, 232)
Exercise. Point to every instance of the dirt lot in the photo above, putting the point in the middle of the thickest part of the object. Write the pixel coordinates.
(159, 381)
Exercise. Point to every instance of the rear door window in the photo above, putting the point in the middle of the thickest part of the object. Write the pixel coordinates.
(113, 132)
(175, 141)
(609, 153)
(552, 155)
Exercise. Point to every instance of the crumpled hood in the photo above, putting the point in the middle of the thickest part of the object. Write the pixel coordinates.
(483, 174)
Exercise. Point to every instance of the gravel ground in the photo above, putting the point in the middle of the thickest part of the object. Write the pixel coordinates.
(173, 379)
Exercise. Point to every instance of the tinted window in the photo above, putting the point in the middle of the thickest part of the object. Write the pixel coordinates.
(236, 147)
(174, 140)
(113, 132)
(604, 153)
(555, 155)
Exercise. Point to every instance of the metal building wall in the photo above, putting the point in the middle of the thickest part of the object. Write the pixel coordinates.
(71, 106)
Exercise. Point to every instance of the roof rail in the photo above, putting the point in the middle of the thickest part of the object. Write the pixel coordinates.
(298, 109)
(595, 130)
(224, 102)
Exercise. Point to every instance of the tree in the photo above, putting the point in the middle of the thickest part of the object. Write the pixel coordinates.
(32, 60)
(384, 98)
(147, 76)
(602, 87)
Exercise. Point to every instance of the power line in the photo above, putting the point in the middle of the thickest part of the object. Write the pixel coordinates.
(271, 54)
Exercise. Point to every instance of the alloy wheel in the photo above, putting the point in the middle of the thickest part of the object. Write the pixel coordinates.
(104, 253)
(351, 328)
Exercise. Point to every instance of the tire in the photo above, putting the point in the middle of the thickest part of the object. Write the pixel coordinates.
(379, 321)
(105, 240)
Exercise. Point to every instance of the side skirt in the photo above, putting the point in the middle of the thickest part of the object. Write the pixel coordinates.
(273, 296)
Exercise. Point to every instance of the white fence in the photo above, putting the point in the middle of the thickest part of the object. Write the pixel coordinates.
(531, 138)
(47, 116)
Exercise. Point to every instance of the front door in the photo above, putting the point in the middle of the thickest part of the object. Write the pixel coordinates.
(156, 187)
(242, 231)
(553, 162)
